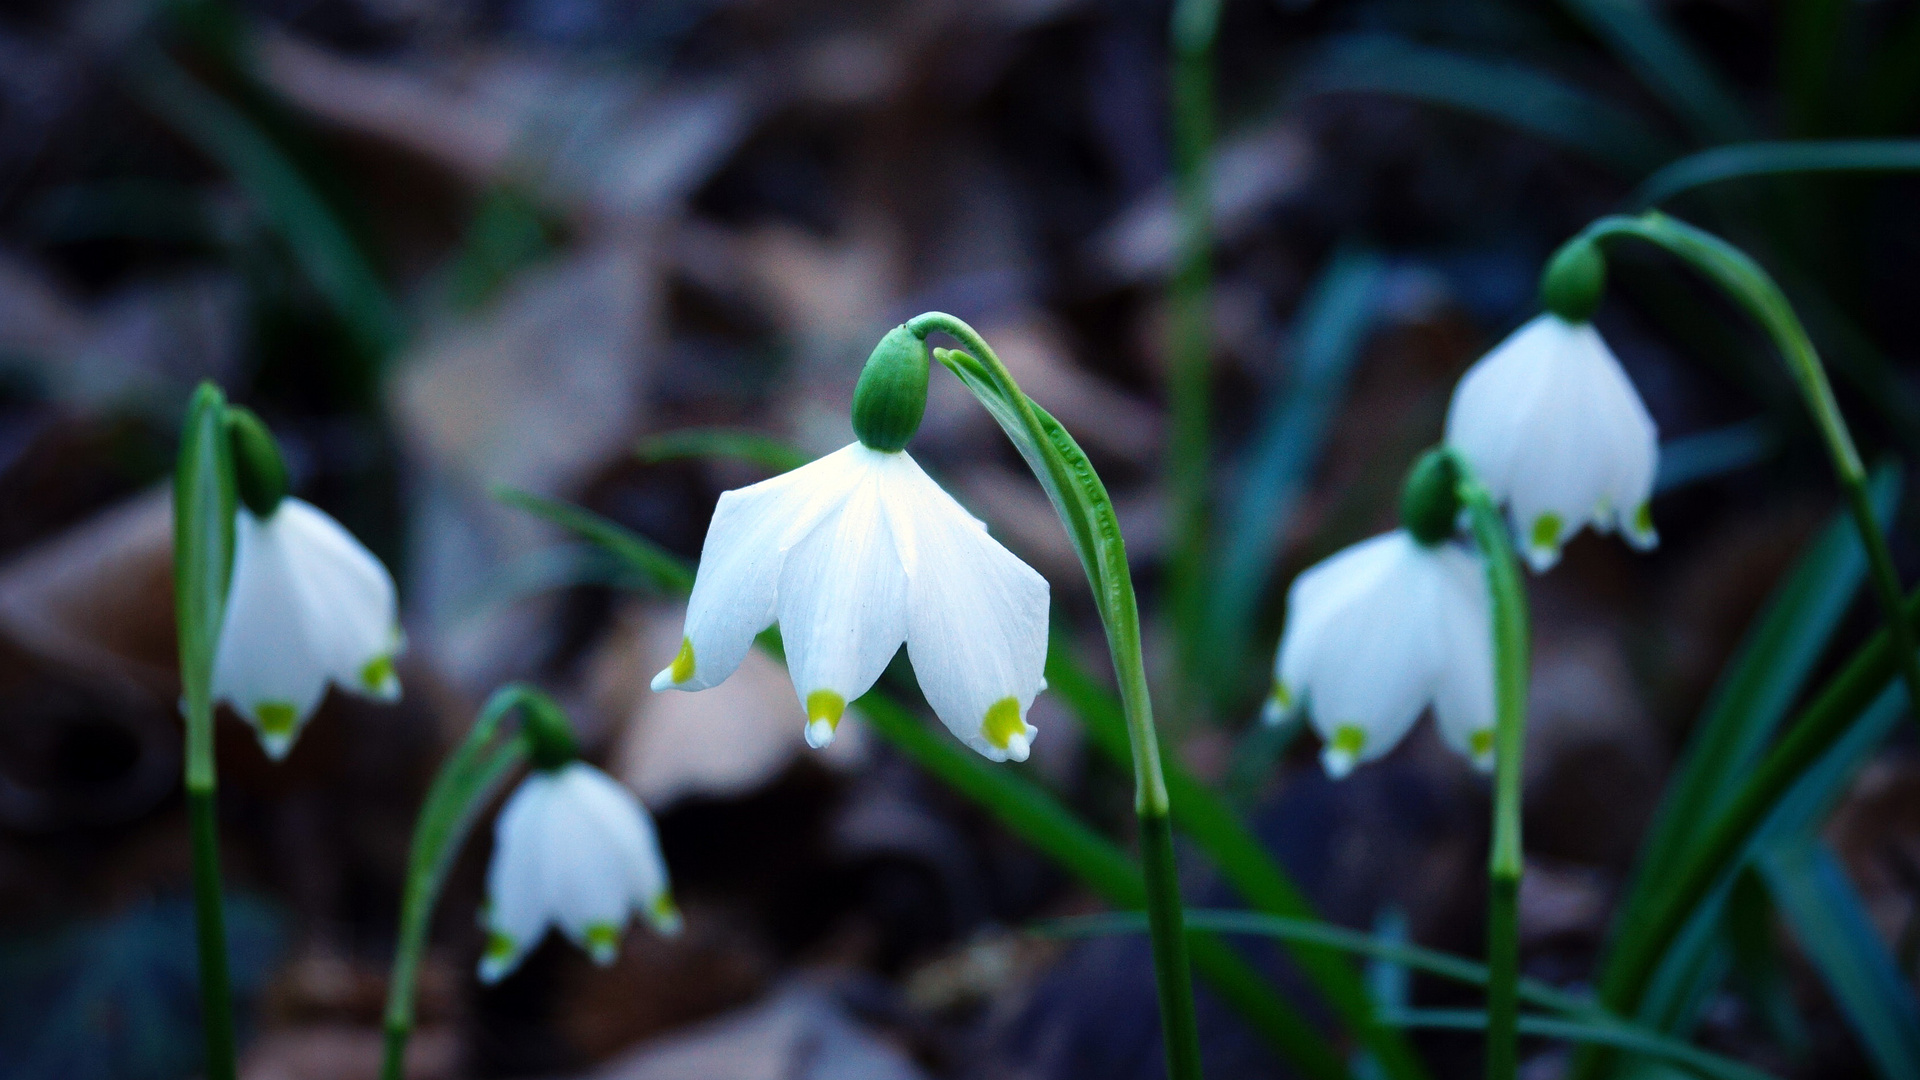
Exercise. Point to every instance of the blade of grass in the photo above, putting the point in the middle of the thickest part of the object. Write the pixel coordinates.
(1189, 452)
(1705, 455)
(1330, 330)
(740, 443)
(1723, 163)
(323, 248)
(1831, 924)
(1662, 60)
(1025, 808)
(1239, 856)
(1525, 98)
(1623, 1037)
(1792, 783)
(1760, 683)
(1577, 1013)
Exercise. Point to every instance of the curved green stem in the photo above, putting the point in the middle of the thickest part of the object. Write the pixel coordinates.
(1748, 285)
(467, 782)
(1087, 512)
(203, 507)
(1195, 24)
(1505, 864)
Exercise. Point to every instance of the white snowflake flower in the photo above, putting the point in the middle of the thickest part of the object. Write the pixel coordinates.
(307, 605)
(851, 555)
(1376, 633)
(573, 849)
(1554, 429)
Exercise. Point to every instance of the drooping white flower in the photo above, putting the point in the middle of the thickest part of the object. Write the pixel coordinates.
(307, 605)
(850, 555)
(1376, 633)
(573, 849)
(1554, 429)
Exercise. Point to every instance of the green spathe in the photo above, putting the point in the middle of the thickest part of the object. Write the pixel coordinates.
(550, 742)
(1430, 501)
(1574, 281)
(892, 392)
(259, 471)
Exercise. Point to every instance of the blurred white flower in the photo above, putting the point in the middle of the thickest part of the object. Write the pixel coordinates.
(576, 850)
(307, 605)
(1554, 429)
(1377, 632)
(851, 555)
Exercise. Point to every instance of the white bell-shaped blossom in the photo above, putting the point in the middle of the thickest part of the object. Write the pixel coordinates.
(1376, 633)
(1552, 426)
(308, 605)
(573, 849)
(851, 555)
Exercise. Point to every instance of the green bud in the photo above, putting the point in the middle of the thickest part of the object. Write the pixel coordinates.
(1430, 502)
(1574, 281)
(259, 471)
(892, 392)
(550, 742)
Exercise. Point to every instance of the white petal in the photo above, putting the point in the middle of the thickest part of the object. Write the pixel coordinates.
(735, 588)
(352, 609)
(307, 604)
(589, 888)
(628, 831)
(1367, 648)
(518, 908)
(977, 622)
(1322, 591)
(843, 601)
(1553, 427)
(1463, 701)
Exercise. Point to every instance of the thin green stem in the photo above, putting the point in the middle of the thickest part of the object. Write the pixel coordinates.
(466, 783)
(203, 509)
(1505, 863)
(1195, 24)
(1087, 512)
(1749, 286)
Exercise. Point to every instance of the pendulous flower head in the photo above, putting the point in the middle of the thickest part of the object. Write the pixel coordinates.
(573, 849)
(307, 605)
(851, 555)
(1554, 429)
(1376, 633)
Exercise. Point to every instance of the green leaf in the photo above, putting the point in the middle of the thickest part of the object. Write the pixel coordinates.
(1735, 162)
(1240, 857)
(1716, 452)
(1525, 98)
(1663, 61)
(321, 245)
(1581, 1019)
(1766, 675)
(1829, 920)
(662, 569)
(1620, 1036)
(740, 443)
(1809, 32)
(1329, 332)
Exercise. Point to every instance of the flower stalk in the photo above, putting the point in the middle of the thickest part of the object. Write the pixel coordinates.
(1085, 509)
(467, 781)
(1750, 287)
(203, 509)
(1505, 862)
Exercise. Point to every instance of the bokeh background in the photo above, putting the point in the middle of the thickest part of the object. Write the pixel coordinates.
(444, 246)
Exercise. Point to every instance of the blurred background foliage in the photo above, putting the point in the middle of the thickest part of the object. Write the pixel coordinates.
(445, 246)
